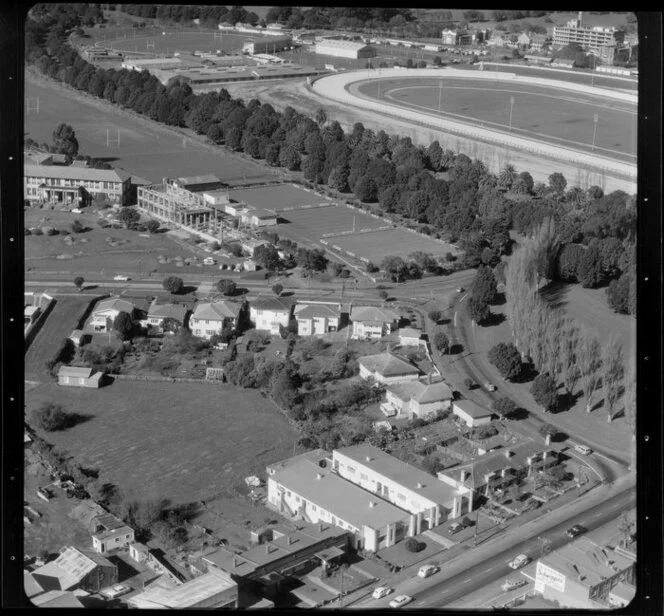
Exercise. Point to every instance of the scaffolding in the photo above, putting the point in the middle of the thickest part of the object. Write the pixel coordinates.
(112, 141)
(32, 104)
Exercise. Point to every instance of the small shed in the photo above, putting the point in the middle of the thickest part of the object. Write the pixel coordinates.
(79, 377)
(409, 336)
(78, 337)
(470, 413)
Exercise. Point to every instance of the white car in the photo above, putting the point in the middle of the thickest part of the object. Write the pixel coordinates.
(400, 601)
(381, 591)
(427, 570)
(460, 290)
(508, 585)
(586, 451)
(490, 386)
(520, 561)
(116, 591)
(121, 277)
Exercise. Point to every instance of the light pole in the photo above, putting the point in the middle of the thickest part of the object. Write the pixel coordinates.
(595, 120)
(440, 94)
(511, 109)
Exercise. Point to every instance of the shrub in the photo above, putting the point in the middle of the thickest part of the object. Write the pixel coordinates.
(37, 231)
(52, 417)
(173, 284)
(413, 545)
(435, 315)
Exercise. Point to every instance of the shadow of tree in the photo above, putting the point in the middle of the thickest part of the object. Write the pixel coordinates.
(518, 414)
(555, 294)
(74, 419)
(494, 318)
(499, 299)
(456, 349)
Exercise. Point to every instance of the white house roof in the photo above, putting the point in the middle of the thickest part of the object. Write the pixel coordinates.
(74, 371)
(114, 303)
(311, 311)
(387, 365)
(217, 311)
(76, 173)
(371, 313)
(472, 409)
(409, 332)
(423, 393)
(341, 44)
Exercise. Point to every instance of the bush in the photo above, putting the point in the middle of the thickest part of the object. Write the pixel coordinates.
(413, 545)
(37, 231)
(52, 417)
(226, 286)
(435, 315)
(173, 284)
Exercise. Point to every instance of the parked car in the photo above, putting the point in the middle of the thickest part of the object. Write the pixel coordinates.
(115, 591)
(427, 570)
(512, 584)
(490, 386)
(381, 591)
(454, 528)
(400, 601)
(586, 451)
(575, 531)
(520, 561)
(460, 290)
(121, 277)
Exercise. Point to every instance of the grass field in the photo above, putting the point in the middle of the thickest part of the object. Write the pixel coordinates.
(171, 42)
(146, 149)
(377, 245)
(562, 117)
(278, 197)
(316, 222)
(184, 441)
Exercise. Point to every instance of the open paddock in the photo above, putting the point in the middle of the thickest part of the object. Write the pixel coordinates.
(278, 198)
(400, 242)
(316, 222)
(183, 441)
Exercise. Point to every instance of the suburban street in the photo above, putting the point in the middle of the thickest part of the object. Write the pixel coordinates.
(489, 562)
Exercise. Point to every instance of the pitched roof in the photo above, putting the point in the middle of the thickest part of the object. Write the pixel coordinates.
(264, 214)
(76, 173)
(423, 393)
(114, 303)
(310, 311)
(57, 598)
(472, 408)
(217, 311)
(303, 475)
(341, 44)
(31, 586)
(69, 568)
(405, 475)
(371, 313)
(75, 371)
(168, 311)
(275, 304)
(410, 332)
(387, 364)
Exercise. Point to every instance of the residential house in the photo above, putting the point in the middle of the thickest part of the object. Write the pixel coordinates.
(79, 377)
(387, 368)
(417, 398)
(74, 569)
(429, 500)
(409, 336)
(210, 319)
(110, 534)
(173, 315)
(270, 313)
(213, 590)
(314, 319)
(250, 245)
(305, 487)
(500, 468)
(470, 413)
(105, 312)
(524, 40)
(30, 315)
(372, 323)
(250, 265)
(57, 599)
(538, 42)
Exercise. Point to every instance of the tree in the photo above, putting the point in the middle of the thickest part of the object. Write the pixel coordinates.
(589, 360)
(320, 117)
(413, 545)
(547, 429)
(507, 177)
(366, 190)
(277, 289)
(128, 216)
(77, 227)
(503, 407)
(484, 286)
(557, 183)
(478, 310)
(589, 271)
(544, 391)
(78, 282)
(395, 268)
(52, 417)
(124, 325)
(289, 158)
(570, 337)
(441, 342)
(507, 359)
(173, 284)
(152, 226)
(618, 294)
(64, 140)
(613, 372)
(268, 257)
(226, 286)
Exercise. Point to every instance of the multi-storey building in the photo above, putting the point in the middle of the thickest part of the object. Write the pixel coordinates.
(601, 42)
(75, 185)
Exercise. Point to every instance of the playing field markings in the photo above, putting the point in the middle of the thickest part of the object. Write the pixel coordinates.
(32, 104)
(112, 140)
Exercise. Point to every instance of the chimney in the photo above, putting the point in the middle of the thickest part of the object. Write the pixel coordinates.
(290, 540)
(580, 17)
(464, 475)
(267, 548)
(320, 527)
(429, 379)
(548, 439)
(234, 561)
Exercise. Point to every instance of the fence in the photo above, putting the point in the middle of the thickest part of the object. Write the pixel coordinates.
(35, 327)
(161, 379)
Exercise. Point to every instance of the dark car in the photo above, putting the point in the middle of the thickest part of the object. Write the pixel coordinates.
(575, 531)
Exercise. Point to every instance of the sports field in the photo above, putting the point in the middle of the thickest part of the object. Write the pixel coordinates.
(147, 149)
(317, 222)
(278, 197)
(400, 242)
(538, 112)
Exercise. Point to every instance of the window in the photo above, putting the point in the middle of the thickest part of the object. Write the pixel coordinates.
(350, 469)
(297, 499)
(401, 497)
(364, 477)
(314, 508)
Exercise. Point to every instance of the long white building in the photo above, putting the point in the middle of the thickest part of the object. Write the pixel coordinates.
(344, 49)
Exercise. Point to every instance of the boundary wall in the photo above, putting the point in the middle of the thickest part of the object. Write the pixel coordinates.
(335, 87)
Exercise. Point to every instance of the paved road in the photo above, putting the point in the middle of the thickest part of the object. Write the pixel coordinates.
(451, 583)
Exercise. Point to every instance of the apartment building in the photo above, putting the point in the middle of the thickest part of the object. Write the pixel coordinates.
(599, 41)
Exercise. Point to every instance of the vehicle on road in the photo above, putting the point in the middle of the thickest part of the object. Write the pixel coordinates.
(490, 386)
(121, 277)
(381, 591)
(115, 591)
(512, 584)
(454, 528)
(520, 561)
(575, 531)
(427, 570)
(460, 290)
(586, 451)
(400, 601)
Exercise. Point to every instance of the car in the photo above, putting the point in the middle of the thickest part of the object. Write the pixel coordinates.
(121, 277)
(115, 591)
(381, 591)
(490, 386)
(512, 584)
(427, 570)
(575, 531)
(520, 561)
(454, 528)
(460, 289)
(400, 601)
(586, 451)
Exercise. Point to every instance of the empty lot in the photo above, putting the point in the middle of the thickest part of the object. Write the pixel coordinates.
(278, 197)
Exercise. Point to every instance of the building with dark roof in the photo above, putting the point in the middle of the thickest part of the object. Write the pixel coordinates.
(387, 368)
(419, 398)
(210, 319)
(372, 323)
(315, 319)
(158, 313)
(75, 568)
